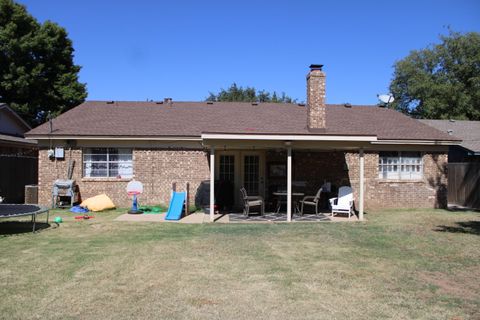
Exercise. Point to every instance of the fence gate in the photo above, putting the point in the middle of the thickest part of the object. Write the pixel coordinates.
(464, 184)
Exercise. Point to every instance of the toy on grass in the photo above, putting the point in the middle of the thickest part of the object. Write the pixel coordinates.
(78, 209)
(134, 188)
(58, 220)
(84, 217)
(150, 209)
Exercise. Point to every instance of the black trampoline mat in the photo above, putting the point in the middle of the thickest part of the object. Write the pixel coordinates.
(13, 210)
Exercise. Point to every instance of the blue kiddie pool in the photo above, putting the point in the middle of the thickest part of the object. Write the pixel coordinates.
(22, 210)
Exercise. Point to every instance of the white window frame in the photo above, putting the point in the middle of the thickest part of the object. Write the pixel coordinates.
(226, 168)
(125, 164)
(400, 167)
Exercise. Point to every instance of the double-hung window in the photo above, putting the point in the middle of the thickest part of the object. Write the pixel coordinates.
(107, 163)
(400, 165)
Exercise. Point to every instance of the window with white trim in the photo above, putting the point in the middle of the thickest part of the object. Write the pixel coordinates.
(227, 168)
(107, 163)
(400, 165)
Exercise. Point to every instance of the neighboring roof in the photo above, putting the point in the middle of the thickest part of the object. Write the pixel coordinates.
(25, 125)
(16, 140)
(468, 131)
(12, 128)
(122, 118)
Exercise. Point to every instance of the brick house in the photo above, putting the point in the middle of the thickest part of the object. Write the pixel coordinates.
(389, 159)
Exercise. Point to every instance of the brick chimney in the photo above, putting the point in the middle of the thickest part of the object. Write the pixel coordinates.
(316, 97)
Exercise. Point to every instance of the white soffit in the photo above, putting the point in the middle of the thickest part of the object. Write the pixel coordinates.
(277, 137)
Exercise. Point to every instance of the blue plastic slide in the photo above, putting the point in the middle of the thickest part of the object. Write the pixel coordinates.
(176, 206)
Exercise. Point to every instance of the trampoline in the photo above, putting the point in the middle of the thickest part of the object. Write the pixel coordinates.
(21, 210)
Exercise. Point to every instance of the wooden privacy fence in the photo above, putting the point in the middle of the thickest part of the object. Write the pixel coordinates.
(16, 172)
(464, 184)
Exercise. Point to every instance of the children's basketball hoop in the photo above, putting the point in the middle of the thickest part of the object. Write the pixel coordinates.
(134, 188)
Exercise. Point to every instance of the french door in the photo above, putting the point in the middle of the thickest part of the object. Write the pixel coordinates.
(251, 174)
(241, 168)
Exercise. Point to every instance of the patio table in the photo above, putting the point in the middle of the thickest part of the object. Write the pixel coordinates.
(294, 195)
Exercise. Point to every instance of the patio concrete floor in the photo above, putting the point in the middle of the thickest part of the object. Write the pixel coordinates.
(200, 217)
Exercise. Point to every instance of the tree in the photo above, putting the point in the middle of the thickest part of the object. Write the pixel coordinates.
(441, 81)
(37, 73)
(248, 94)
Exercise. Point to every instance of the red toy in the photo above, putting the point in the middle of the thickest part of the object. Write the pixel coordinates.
(84, 217)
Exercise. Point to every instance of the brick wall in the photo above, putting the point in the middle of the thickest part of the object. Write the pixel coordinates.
(157, 169)
(430, 192)
(342, 168)
(314, 168)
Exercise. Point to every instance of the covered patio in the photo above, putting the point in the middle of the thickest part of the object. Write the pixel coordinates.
(282, 170)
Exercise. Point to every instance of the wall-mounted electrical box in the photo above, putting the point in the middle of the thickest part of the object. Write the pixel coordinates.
(59, 153)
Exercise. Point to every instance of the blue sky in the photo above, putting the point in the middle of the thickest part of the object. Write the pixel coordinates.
(138, 50)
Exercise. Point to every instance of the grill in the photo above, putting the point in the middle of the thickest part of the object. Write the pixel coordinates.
(64, 193)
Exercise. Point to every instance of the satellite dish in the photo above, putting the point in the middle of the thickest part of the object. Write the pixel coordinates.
(385, 98)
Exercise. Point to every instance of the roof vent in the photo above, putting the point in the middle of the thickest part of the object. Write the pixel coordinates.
(347, 105)
(159, 102)
(301, 104)
(450, 131)
(110, 102)
(452, 120)
(254, 103)
(209, 102)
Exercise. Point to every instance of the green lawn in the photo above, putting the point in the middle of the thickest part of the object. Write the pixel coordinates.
(401, 264)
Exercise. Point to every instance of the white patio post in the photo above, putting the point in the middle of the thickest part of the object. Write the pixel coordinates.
(212, 184)
(361, 191)
(289, 182)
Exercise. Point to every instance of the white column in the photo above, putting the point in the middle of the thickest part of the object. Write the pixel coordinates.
(361, 191)
(289, 183)
(212, 184)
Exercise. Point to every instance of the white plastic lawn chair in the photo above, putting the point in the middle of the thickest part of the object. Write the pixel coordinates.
(344, 202)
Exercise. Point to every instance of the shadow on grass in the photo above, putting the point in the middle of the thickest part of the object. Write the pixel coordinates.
(455, 208)
(8, 228)
(470, 227)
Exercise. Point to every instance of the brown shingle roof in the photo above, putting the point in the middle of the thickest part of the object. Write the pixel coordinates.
(122, 118)
(468, 131)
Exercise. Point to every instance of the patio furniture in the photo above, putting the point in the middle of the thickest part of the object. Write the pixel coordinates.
(251, 201)
(344, 202)
(311, 201)
(280, 201)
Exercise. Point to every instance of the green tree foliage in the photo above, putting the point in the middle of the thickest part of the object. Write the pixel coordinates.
(248, 94)
(37, 73)
(441, 81)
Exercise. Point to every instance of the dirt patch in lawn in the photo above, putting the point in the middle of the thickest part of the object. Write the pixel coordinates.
(463, 284)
